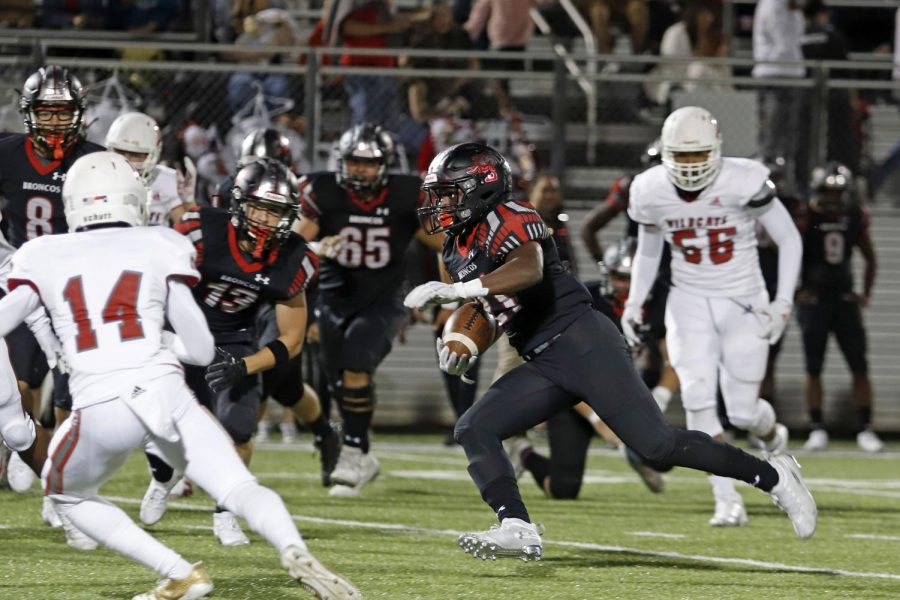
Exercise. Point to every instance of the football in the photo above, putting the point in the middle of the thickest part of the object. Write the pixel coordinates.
(470, 330)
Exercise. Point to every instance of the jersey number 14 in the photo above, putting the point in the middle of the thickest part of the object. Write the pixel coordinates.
(121, 306)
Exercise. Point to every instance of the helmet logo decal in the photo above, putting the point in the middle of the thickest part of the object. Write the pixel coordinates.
(484, 165)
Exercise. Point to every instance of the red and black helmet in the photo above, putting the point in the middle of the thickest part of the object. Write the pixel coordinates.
(463, 183)
(268, 185)
(267, 143)
(53, 89)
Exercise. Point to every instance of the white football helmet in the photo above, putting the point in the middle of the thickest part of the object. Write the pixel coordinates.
(691, 129)
(138, 133)
(103, 188)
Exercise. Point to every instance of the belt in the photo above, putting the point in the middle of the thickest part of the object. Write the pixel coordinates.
(241, 336)
(534, 352)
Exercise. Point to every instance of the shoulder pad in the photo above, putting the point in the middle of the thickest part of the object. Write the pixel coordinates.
(763, 196)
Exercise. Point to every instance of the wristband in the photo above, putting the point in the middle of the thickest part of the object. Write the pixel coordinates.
(280, 351)
(470, 289)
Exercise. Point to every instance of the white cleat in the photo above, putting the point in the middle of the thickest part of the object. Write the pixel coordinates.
(779, 443)
(513, 538)
(227, 530)
(353, 470)
(729, 513)
(154, 503)
(19, 474)
(792, 496)
(288, 432)
(49, 514)
(867, 440)
(193, 587)
(514, 447)
(818, 441)
(315, 577)
(75, 538)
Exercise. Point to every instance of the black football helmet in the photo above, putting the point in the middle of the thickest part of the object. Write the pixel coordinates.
(264, 185)
(266, 143)
(53, 89)
(473, 177)
(831, 188)
(366, 142)
(618, 260)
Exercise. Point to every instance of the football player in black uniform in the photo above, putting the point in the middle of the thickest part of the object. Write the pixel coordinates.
(364, 219)
(835, 224)
(33, 168)
(499, 251)
(246, 256)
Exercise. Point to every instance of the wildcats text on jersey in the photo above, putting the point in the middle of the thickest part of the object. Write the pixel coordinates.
(697, 222)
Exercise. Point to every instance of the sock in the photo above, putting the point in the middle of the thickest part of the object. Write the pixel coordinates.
(109, 525)
(356, 429)
(723, 487)
(696, 450)
(537, 465)
(815, 418)
(266, 514)
(502, 495)
(160, 470)
(663, 396)
(864, 417)
(320, 427)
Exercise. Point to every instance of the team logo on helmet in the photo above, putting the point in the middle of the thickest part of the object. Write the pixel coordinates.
(483, 164)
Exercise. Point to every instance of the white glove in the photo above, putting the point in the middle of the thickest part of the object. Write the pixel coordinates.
(452, 364)
(632, 319)
(436, 292)
(774, 319)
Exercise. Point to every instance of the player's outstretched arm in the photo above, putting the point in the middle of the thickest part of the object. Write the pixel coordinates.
(291, 317)
(193, 343)
(781, 228)
(595, 220)
(646, 264)
(16, 306)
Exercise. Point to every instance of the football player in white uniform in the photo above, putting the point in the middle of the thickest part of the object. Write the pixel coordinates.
(136, 136)
(108, 289)
(718, 317)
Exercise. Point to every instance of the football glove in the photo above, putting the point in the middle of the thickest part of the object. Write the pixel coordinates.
(224, 371)
(774, 319)
(452, 364)
(436, 292)
(632, 324)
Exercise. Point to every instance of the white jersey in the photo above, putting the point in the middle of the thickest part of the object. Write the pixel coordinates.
(106, 291)
(713, 237)
(163, 188)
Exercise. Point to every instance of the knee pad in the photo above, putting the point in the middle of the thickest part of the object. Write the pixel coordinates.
(705, 420)
(19, 435)
(359, 400)
(758, 420)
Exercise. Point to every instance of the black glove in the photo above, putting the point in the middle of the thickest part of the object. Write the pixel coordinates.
(225, 371)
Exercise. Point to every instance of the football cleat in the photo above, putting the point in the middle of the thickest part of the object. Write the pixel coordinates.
(353, 470)
(818, 441)
(867, 440)
(194, 586)
(155, 501)
(227, 530)
(729, 513)
(779, 442)
(792, 496)
(49, 514)
(512, 538)
(515, 447)
(329, 449)
(75, 538)
(651, 477)
(315, 577)
(19, 474)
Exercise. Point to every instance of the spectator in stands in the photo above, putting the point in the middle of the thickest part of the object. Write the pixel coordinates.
(698, 33)
(79, 14)
(632, 15)
(143, 16)
(777, 32)
(822, 42)
(268, 27)
(17, 13)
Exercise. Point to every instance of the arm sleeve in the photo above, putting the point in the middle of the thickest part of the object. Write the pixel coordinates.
(783, 232)
(39, 324)
(306, 274)
(17, 305)
(309, 208)
(193, 343)
(646, 263)
(189, 227)
(181, 261)
(518, 226)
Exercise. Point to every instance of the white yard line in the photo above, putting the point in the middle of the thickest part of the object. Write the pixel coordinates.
(657, 534)
(868, 536)
(581, 545)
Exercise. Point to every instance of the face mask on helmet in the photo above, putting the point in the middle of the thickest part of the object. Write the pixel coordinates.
(463, 183)
(365, 154)
(52, 107)
(265, 199)
(136, 136)
(831, 188)
(691, 148)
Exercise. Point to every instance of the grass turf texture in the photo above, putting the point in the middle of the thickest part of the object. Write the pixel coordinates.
(397, 540)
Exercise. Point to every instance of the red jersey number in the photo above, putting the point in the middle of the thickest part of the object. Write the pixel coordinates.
(721, 245)
(121, 306)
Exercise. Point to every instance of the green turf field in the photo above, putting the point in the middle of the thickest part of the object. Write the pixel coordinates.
(398, 540)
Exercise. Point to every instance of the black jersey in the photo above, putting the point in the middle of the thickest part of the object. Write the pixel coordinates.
(559, 232)
(31, 188)
(376, 233)
(232, 284)
(534, 315)
(828, 243)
